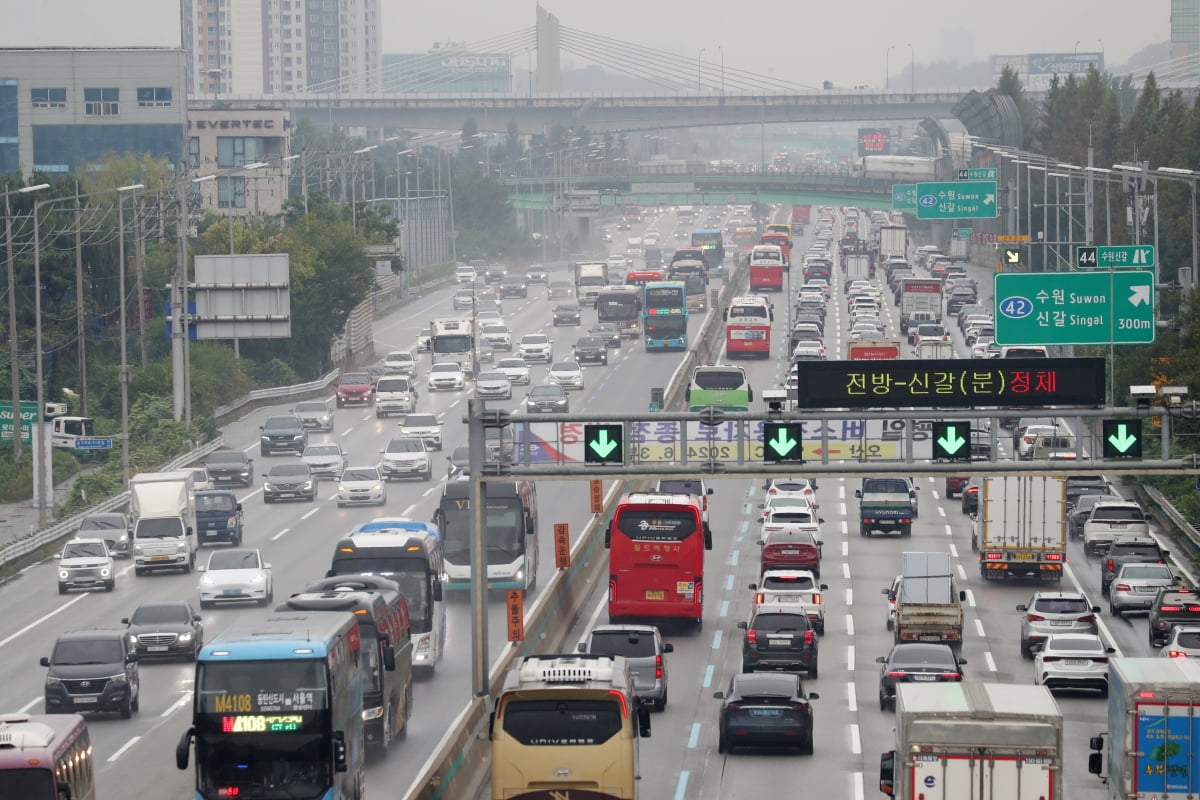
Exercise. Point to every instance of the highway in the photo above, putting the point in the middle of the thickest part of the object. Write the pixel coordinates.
(135, 757)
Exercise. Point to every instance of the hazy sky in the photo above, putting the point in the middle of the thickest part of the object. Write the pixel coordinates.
(805, 42)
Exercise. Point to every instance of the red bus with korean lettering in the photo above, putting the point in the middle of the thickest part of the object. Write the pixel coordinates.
(748, 327)
(656, 546)
(766, 268)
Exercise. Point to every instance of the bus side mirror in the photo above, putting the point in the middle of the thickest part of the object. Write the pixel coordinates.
(181, 749)
(339, 751)
(887, 773)
(64, 791)
(491, 724)
(643, 716)
(1096, 763)
(607, 536)
(750, 394)
(330, 573)
(707, 537)
(437, 591)
(389, 658)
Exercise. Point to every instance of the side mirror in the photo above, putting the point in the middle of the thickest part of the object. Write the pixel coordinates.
(58, 555)
(389, 658)
(1095, 609)
(813, 696)
(1023, 607)
(962, 661)
(237, 507)
(880, 659)
(581, 647)
(858, 493)
(437, 590)
(197, 617)
(753, 587)
(824, 587)
(266, 566)
(1096, 763)
(124, 620)
(181, 749)
(1109, 650)
(710, 491)
(962, 596)
(742, 626)
(886, 591)
(887, 773)
(718, 695)
(45, 662)
(668, 647)
(759, 542)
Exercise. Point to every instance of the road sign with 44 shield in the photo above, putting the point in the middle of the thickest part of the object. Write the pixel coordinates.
(1074, 307)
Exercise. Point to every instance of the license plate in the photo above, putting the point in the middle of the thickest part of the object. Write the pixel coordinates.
(781, 642)
(655, 594)
(1076, 662)
(1024, 556)
(286, 494)
(1060, 622)
(789, 552)
(232, 591)
(79, 700)
(224, 477)
(929, 637)
(160, 558)
(789, 598)
(924, 677)
(158, 648)
(764, 712)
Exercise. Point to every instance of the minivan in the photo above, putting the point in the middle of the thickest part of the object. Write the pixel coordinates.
(796, 549)
(92, 670)
(395, 394)
(1045, 443)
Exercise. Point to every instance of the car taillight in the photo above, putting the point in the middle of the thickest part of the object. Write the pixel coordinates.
(773, 490)
(1177, 654)
(752, 636)
(1054, 557)
(897, 674)
(1048, 659)
(1121, 587)
(758, 598)
(1100, 659)
(658, 666)
(1109, 566)
(950, 676)
(808, 637)
(816, 598)
(1193, 609)
(1171, 609)
(1090, 618)
(994, 557)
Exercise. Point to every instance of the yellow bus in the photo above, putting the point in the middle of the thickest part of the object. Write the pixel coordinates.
(568, 726)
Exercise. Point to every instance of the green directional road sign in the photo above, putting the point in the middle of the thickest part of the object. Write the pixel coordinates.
(28, 417)
(604, 444)
(1122, 438)
(1074, 307)
(952, 441)
(782, 442)
(1138, 256)
(978, 174)
(904, 197)
(956, 200)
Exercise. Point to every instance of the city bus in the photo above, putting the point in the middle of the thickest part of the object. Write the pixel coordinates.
(766, 268)
(409, 553)
(745, 238)
(511, 520)
(567, 726)
(748, 327)
(779, 227)
(632, 213)
(712, 242)
(621, 305)
(386, 630)
(664, 315)
(278, 702)
(682, 269)
(640, 277)
(46, 757)
(656, 545)
(723, 386)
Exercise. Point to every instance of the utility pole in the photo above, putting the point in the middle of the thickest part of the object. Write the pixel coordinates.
(79, 303)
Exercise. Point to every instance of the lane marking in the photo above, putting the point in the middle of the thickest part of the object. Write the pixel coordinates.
(408, 510)
(971, 597)
(121, 751)
(849, 625)
(846, 571)
(694, 738)
(991, 663)
(43, 618)
(962, 573)
(182, 701)
(850, 663)
(716, 643)
(845, 549)
(856, 785)
(729, 583)
(733, 558)
(979, 628)
(724, 608)
(855, 740)
(681, 787)
(25, 708)
(310, 513)
(281, 533)
(953, 550)
(429, 491)
(851, 697)
(708, 676)
(849, 597)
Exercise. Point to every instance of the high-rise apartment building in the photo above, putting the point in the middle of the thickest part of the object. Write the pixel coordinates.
(273, 46)
(1185, 28)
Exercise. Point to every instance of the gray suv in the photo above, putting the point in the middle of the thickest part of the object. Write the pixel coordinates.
(92, 670)
(282, 434)
(643, 649)
(1047, 613)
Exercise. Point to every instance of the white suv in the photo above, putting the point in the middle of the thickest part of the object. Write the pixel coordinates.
(536, 347)
(406, 457)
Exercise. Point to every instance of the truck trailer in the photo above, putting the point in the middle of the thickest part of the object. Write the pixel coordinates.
(1020, 529)
(977, 740)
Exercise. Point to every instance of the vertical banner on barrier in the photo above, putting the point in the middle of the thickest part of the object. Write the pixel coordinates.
(562, 546)
(597, 491)
(515, 610)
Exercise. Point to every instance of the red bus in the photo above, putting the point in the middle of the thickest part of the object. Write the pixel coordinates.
(748, 327)
(781, 240)
(766, 269)
(745, 238)
(632, 213)
(46, 757)
(656, 551)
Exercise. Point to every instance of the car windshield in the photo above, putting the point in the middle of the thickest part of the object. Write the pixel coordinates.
(233, 559)
(311, 406)
(1188, 639)
(786, 582)
(590, 341)
(923, 655)
(566, 309)
(631, 644)
(511, 363)
(280, 423)
(85, 550)
(322, 450)
(156, 613)
(445, 368)
(493, 328)
(289, 471)
(215, 502)
(490, 376)
(565, 366)
(360, 474)
(103, 523)
(355, 380)
(88, 651)
(546, 391)
(400, 355)
(534, 338)
(405, 446)
(1074, 643)
(1151, 572)
(419, 421)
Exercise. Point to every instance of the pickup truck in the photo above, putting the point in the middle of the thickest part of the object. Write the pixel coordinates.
(887, 505)
(792, 587)
(928, 609)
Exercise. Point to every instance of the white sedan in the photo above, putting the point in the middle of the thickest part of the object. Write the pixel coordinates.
(567, 374)
(515, 368)
(1072, 661)
(236, 575)
(361, 485)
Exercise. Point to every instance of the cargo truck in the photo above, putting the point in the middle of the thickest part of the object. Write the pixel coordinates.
(959, 250)
(858, 267)
(453, 341)
(887, 505)
(928, 600)
(801, 216)
(892, 242)
(163, 508)
(934, 348)
(919, 295)
(873, 350)
(1152, 746)
(1020, 529)
(590, 278)
(975, 739)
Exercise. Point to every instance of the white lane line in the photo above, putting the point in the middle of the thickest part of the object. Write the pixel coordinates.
(429, 491)
(716, 643)
(850, 667)
(855, 740)
(856, 786)
(991, 662)
(845, 549)
(310, 513)
(971, 598)
(949, 531)
(849, 597)
(849, 625)
(941, 511)
(733, 557)
(25, 708)
(729, 583)
(979, 628)
(708, 676)
(851, 697)
(962, 573)
(846, 571)
(43, 618)
(681, 787)
(724, 608)
(178, 704)
(121, 750)
(694, 738)
(408, 510)
(280, 534)
(953, 551)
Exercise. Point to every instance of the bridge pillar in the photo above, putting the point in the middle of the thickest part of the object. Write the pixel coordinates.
(549, 70)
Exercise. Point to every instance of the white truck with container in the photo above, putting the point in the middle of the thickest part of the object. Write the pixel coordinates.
(1020, 528)
(974, 741)
(934, 348)
(959, 250)
(163, 508)
(893, 242)
(452, 341)
(919, 295)
(1152, 746)
(928, 600)
(858, 267)
(590, 279)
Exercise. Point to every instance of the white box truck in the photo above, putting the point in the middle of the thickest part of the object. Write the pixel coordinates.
(1020, 530)
(163, 508)
(984, 741)
(1152, 744)
(893, 242)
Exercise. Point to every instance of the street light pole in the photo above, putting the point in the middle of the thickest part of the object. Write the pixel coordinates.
(123, 375)
(13, 351)
(1190, 176)
(722, 51)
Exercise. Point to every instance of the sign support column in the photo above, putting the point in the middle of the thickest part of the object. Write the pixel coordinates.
(479, 591)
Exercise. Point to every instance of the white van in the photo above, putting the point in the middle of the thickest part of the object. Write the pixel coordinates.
(395, 394)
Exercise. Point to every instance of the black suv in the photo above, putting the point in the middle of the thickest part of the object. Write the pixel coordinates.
(514, 286)
(779, 640)
(566, 314)
(1128, 550)
(229, 468)
(495, 273)
(92, 670)
(591, 350)
(1172, 606)
(282, 435)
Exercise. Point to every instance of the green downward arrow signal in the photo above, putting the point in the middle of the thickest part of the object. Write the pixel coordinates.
(1122, 440)
(951, 442)
(602, 445)
(782, 444)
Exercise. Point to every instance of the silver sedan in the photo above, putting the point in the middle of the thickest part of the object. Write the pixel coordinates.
(1134, 586)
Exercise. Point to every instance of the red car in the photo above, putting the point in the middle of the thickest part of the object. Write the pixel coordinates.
(798, 549)
(355, 387)
(955, 484)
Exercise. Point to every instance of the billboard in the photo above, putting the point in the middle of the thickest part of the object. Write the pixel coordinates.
(874, 141)
(1038, 69)
(447, 70)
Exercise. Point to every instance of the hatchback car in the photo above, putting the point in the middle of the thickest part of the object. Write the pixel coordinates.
(464, 299)
(291, 481)
(547, 399)
(86, 564)
(514, 286)
(355, 387)
(1048, 613)
(165, 629)
(316, 415)
(400, 362)
(566, 374)
(916, 662)
(1184, 642)
(535, 347)
(1072, 661)
(325, 459)
(765, 710)
(361, 485)
(447, 376)
(515, 369)
(643, 649)
(424, 337)
(1126, 550)
(591, 350)
(1135, 586)
(777, 639)
(236, 575)
(567, 314)
(805, 488)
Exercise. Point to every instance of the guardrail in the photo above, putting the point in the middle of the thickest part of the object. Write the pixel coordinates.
(19, 548)
(276, 393)
(1169, 512)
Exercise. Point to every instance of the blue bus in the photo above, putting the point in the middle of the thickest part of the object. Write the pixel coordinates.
(277, 710)
(712, 242)
(664, 315)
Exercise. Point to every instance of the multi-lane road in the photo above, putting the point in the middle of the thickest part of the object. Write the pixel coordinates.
(135, 757)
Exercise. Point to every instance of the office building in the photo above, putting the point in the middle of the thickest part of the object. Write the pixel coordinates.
(222, 142)
(1185, 28)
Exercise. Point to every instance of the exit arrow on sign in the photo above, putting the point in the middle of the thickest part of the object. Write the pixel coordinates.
(1139, 295)
(782, 444)
(1012, 256)
(952, 442)
(602, 445)
(1122, 440)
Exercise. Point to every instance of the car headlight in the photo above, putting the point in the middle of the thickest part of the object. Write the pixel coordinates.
(561, 402)
(264, 438)
(257, 579)
(133, 638)
(137, 550)
(343, 490)
(308, 484)
(298, 437)
(231, 522)
(206, 581)
(185, 637)
(181, 547)
(105, 572)
(53, 681)
(422, 645)
(63, 574)
(119, 678)
(377, 487)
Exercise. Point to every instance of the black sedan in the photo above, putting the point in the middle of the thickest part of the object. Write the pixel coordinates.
(914, 662)
(567, 314)
(165, 629)
(607, 331)
(765, 709)
(591, 350)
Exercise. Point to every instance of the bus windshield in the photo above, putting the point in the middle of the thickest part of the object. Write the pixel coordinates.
(615, 306)
(706, 238)
(505, 531)
(29, 783)
(410, 573)
(719, 379)
(665, 326)
(656, 525)
(562, 721)
(749, 313)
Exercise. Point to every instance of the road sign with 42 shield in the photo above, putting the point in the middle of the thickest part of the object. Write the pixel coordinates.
(1074, 307)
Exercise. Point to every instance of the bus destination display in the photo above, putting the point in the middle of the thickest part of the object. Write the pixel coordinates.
(951, 383)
